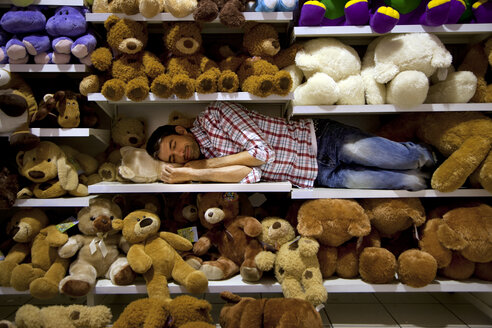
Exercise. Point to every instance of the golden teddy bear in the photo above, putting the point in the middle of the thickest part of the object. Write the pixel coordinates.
(154, 254)
(132, 70)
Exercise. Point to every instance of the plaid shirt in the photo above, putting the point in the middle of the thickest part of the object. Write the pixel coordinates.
(226, 128)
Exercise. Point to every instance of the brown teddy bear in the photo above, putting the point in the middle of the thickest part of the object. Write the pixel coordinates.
(97, 249)
(33, 236)
(464, 138)
(230, 12)
(182, 311)
(55, 170)
(188, 69)
(132, 72)
(154, 254)
(267, 312)
(9, 177)
(260, 71)
(294, 259)
(234, 236)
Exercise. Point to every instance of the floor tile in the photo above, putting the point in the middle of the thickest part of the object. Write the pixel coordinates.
(359, 315)
(470, 314)
(14, 299)
(405, 298)
(58, 300)
(450, 297)
(423, 315)
(8, 312)
(351, 298)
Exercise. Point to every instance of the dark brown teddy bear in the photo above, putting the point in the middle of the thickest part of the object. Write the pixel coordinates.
(131, 70)
(188, 70)
(230, 12)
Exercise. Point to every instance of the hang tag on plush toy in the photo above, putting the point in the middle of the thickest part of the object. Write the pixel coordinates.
(257, 199)
(416, 233)
(320, 307)
(67, 224)
(190, 233)
(230, 196)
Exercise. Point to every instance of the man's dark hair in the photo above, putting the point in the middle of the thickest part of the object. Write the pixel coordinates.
(153, 144)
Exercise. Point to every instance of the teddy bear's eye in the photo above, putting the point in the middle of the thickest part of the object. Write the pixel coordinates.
(49, 159)
(92, 218)
(66, 116)
(138, 219)
(34, 159)
(111, 217)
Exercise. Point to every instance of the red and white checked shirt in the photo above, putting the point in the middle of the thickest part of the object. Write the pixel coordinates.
(286, 147)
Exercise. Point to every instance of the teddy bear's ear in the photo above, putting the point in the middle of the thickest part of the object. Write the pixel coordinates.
(117, 224)
(19, 158)
(249, 25)
(111, 21)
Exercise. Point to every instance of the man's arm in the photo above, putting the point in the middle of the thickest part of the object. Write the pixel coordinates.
(232, 173)
(242, 158)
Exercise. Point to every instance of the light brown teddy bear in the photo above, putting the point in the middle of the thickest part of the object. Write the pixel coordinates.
(148, 8)
(182, 311)
(98, 250)
(54, 170)
(188, 69)
(464, 138)
(33, 236)
(260, 71)
(154, 254)
(131, 69)
(294, 259)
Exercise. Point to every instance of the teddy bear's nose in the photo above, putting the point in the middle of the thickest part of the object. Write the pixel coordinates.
(133, 140)
(276, 225)
(131, 45)
(275, 44)
(75, 315)
(102, 223)
(36, 174)
(188, 44)
(145, 222)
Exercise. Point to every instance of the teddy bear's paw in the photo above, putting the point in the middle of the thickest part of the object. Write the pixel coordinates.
(113, 89)
(196, 282)
(183, 86)
(24, 193)
(23, 275)
(212, 272)
(6, 268)
(259, 86)
(43, 288)
(250, 273)
(194, 261)
(137, 89)
(384, 20)
(416, 268)
(162, 86)
(228, 82)
(316, 296)
(125, 276)
(231, 14)
(283, 83)
(75, 288)
(206, 84)
(107, 172)
(207, 11)
(89, 84)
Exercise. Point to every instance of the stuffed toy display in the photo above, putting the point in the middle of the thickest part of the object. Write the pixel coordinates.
(58, 316)
(396, 68)
(188, 69)
(182, 311)
(229, 12)
(127, 68)
(148, 8)
(154, 254)
(332, 72)
(267, 312)
(333, 13)
(33, 236)
(294, 259)
(18, 105)
(55, 170)
(97, 249)
(232, 234)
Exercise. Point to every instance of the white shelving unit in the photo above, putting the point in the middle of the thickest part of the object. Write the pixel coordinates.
(371, 193)
(49, 2)
(45, 68)
(55, 202)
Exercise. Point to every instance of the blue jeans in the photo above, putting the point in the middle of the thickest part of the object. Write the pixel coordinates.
(350, 158)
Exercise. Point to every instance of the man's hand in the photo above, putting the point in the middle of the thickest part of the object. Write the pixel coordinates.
(176, 174)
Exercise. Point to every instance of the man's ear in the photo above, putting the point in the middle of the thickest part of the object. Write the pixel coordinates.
(180, 130)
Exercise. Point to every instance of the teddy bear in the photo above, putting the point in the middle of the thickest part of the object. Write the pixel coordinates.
(33, 235)
(125, 131)
(153, 254)
(233, 235)
(182, 311)
(127, 68)
(28, 35)
(267, 312)
(229, 12)
(148, 8)
(58, 316)
(332, 72)
(70, 36)
(463, 138)
(9, 178)
(187, 68)
(18, 105)
(396, 68)
(55, 170)
(97, 249)
(294, 259)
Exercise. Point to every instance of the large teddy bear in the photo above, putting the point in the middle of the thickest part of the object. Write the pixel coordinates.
(294, 260)
(127, 68)
(97, 249)
(55, 170)
(139, 167)
(154, 254)
(332, 72)
(188, 69)
(396, 68)
(34, 237)
(464, 138)
(233, 234)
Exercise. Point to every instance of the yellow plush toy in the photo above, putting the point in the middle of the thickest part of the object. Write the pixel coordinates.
(153, 254)
(148, 8)
(131, 72)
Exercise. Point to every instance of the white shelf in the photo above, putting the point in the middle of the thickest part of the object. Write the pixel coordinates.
(49, 2)
(371, 193)
(54, 202)
(100, 134)
(386, 109)
(45, 68)
(157, 187)
(198, 97)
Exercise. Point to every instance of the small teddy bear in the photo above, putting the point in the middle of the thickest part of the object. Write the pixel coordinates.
(97, 249)
(294, 259)
(230, 12)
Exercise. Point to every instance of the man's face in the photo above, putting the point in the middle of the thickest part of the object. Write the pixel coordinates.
(179, 148)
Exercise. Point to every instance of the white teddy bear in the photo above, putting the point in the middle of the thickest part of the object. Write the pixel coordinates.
(332, 72)
(138, 166)
(396, 68)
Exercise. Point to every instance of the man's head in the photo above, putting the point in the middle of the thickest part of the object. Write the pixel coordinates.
(173, 144)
